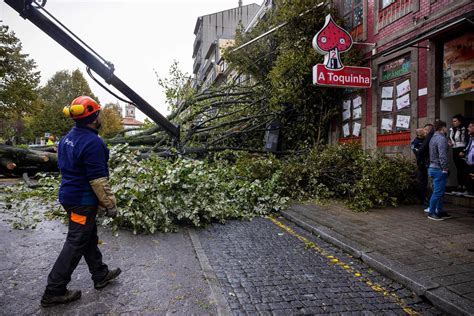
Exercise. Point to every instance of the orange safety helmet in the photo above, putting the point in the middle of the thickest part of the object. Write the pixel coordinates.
(81, 107)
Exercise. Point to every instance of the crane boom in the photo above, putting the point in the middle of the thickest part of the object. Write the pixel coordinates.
(28, 11)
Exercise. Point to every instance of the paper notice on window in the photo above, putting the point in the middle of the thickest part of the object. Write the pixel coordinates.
(403, 87)
(346, 115)
(387, 124)
(345, 129)
(346, 105)
(387, 105)
(403, 121)
(357, 113)
(357, 102)
(356, 129)
(387, 92)
(403, 102)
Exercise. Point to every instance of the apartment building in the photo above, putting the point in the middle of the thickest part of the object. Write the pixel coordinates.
(214, 32)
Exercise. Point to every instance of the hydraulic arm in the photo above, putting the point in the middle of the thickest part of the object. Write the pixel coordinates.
(30, 10)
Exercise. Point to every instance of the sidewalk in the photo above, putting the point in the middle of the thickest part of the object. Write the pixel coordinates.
(434, 259)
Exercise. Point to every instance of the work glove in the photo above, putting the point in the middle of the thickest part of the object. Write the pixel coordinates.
(106, 197)
(110, 212)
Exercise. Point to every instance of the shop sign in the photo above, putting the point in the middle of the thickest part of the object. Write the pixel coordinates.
(331, 41)
(396, 68)
(458, 66)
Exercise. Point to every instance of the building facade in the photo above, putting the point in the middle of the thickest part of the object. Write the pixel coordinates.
(214, 32)
(422, 57)
(130, 122)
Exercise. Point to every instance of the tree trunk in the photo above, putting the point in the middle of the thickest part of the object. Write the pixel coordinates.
(15, 160)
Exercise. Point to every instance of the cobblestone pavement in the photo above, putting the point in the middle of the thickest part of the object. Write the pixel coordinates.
(268, 269)
(160, 273)
(441, 253)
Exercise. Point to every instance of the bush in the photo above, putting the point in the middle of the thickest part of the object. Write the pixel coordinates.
(348, 173)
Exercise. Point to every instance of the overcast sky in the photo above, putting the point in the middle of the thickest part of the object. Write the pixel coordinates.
(137, 36)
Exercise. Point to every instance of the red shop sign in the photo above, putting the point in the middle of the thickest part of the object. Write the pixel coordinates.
(330, 41)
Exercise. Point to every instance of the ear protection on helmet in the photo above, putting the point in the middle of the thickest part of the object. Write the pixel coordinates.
(81, 107)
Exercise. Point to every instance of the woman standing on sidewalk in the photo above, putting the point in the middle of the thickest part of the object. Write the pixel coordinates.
(458, 139)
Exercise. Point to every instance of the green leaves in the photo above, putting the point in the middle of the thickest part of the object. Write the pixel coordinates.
(158, 194)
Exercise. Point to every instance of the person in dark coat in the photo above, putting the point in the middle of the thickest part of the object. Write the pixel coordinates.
(423, 159)
(421, 170)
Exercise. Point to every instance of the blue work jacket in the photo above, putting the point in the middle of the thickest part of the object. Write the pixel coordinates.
(82, 157)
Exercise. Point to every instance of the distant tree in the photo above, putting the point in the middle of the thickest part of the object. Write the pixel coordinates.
(111, 116)
(58, 92)
(18, 84)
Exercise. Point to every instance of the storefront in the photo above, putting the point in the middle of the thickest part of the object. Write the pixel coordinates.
(456, 83)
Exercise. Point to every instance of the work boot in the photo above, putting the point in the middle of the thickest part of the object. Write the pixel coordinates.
(52, 300)
(112, 274)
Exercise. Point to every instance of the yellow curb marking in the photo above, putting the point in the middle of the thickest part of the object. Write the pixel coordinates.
(347, 267)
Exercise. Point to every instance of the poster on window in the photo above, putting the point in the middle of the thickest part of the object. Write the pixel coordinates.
(356, 129)
(387, 124)
(346, 115)
(357, 113)
(387, 92)
(346, 105)
(403, 121)
(458, 65)
(403, 87)
(345, 129)
(387, 105)
(357, 102)
(403, 102)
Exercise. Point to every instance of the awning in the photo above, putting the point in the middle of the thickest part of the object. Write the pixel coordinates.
(429, 34)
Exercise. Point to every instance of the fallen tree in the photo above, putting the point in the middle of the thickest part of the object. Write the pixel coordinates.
(16, 161)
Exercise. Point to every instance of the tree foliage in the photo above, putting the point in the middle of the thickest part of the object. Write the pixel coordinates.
(19, 82)
(58, 92)
(282, 63)
(111, 118)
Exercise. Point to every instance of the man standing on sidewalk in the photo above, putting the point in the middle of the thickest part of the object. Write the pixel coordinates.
(82, 160)
(438, 170)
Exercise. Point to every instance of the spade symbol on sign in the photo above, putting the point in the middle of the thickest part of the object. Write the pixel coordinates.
(330, 41)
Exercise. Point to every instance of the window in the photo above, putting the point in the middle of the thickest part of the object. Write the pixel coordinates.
(352, 116)
(394, 106)
(353, 13)
(385, 3)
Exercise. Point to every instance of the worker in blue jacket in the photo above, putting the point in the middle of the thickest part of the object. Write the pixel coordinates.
(82, 161)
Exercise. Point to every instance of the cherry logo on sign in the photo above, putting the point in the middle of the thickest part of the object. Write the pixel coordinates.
(330, 41)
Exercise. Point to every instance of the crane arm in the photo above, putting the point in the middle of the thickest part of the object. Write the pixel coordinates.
(28, 10)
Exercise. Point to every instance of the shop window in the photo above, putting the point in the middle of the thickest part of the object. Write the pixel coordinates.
(458, 66)
(353, 13)
(352, 116)
(394, 106)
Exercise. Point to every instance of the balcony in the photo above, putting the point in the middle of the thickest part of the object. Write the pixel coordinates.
(394, 11)
(197, 62)
(197, 43)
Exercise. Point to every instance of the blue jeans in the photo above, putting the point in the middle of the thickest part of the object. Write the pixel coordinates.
(440, 179)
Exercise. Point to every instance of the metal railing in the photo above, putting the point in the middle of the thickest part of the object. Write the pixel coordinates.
(394, 11)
